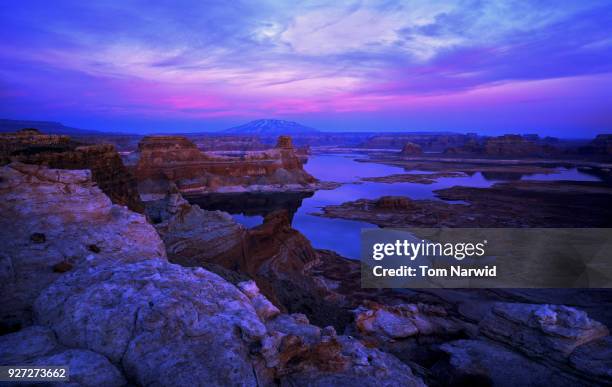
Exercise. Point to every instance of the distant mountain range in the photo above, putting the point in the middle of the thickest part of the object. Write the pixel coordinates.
(43, 126)
(271, 128)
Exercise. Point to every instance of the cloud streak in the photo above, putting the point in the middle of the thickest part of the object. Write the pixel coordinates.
(205, 60)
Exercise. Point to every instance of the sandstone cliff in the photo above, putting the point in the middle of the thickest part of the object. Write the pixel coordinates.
(58, 151)
(174, 159)
(509, 145)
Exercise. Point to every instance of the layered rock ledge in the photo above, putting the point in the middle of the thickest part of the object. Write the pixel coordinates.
(174, 159)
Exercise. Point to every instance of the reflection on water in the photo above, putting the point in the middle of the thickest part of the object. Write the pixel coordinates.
(343, 236)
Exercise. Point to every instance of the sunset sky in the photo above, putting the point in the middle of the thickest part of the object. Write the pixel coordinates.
(481, 66)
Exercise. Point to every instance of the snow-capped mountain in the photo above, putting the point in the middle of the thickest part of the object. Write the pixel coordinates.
(271, 127)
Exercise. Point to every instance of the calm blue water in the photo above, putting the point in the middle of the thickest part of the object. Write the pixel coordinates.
(343, 236)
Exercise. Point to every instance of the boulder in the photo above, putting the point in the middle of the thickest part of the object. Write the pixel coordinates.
(36, 346)
(541, 331)
(404, 320)
(52, 217)
(305, 355)
(163, 323)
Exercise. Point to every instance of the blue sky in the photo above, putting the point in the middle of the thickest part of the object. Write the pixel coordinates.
(480, 66)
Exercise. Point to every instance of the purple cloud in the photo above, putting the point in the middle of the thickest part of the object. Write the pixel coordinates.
(472, 65)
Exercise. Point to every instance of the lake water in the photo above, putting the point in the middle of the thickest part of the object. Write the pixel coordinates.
(343, 236)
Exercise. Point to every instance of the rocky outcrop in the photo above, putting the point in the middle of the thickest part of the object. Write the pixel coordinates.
(195, 237)
(514, 204)
(543, 344)
(57, 217)
(30, 139)
(60, 152)
(37, 346)
(175, 159)
(150, 312)
(600, 146)
(216, 143)
(403, 320)
(394, 203)
(427, 141)
(479, 362)
(123, 313)
(411, 149)
(508, 145)
(544, 331)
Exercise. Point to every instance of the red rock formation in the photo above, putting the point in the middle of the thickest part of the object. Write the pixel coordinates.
(511, 145)
(60, 152)
(178, 160)
(432, 142)
(411, 149)
(394, 203)
(228, 143)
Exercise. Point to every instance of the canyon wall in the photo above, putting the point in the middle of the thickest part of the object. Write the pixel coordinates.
(175, 159)
(58, 151)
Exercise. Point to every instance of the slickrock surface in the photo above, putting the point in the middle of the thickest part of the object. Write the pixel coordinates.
(556, 336)
(37, 346)
(123, 313)
(478, 362)
(52, 216)
(163, 323)
(546, 331)
(175, 159)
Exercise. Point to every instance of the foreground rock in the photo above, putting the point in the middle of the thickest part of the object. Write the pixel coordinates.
(478, 362)
(124, 313)
(156, 337)
(544, 331)
(52, 220)
(529, 344)
(37, 346)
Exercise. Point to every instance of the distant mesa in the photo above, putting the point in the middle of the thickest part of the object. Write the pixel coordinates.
(271, 128)
(411, 149)
(42, 126)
